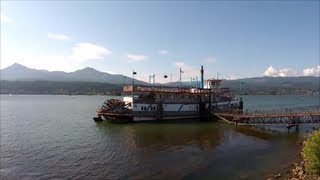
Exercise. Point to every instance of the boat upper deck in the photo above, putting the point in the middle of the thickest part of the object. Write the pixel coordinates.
(167, 89)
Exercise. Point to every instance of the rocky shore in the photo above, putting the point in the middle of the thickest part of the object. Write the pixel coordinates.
(296, 170)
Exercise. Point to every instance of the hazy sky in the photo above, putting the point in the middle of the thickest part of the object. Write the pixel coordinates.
(236, 39)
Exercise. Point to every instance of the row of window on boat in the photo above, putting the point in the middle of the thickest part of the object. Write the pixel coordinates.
(144, 108)
(171, 96)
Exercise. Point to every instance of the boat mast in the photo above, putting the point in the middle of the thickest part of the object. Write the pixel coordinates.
(180, 78)
(133, 73)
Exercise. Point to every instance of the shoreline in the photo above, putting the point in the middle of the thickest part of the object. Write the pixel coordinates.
(296, 169)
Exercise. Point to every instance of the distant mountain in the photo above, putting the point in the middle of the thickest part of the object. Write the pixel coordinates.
(310, 82)
(21, 79)
(18, 72)
(275, 85)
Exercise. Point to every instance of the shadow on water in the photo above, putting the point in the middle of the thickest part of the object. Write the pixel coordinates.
(167, 150)
(167, 136)
(257, 132)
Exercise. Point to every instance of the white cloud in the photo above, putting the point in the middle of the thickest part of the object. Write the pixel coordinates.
(163, 52)
(47, 62)
(137, 57)
(55, 36)
(285, 72)
(54, 62)
(271, 71)
(87, 51)
(315, 71)
(210, 60)
(5, 18)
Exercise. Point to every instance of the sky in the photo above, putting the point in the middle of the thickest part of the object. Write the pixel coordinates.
(231, 39)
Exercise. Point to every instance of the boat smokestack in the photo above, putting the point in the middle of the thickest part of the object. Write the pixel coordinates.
(202, 77)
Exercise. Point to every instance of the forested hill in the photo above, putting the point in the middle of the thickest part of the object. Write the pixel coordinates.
(304, 85)
(253, 86)
(52, 87)
(19, 79)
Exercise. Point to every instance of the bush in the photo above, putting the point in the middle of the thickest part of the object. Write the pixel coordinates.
(311, 153)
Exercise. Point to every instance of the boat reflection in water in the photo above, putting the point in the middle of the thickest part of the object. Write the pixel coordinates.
(173, 137)
(189, 150)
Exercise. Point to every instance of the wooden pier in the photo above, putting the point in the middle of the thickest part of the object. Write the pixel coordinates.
(290, 119)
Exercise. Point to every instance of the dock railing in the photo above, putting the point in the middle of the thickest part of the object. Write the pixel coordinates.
(289, 116)
(291, 110)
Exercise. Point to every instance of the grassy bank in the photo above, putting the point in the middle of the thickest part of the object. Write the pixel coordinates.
(306, 165)
(311, 153)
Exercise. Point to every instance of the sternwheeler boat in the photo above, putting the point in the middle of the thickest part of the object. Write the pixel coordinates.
(161, 103)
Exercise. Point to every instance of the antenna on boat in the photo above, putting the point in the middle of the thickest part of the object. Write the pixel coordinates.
(180, 72)
(202, 78)
(133, 73)
(197, 82)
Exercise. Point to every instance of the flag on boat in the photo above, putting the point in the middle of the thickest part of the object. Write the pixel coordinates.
(133, 72)
(165, 76)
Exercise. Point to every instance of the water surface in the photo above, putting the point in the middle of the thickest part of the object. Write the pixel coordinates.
(48, 136)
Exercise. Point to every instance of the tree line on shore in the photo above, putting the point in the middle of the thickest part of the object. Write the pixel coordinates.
(100, 88)
(65, 88)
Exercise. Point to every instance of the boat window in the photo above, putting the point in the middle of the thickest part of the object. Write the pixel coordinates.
(141, 108)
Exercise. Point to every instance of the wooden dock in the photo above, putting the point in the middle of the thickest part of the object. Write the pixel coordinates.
(290, 119)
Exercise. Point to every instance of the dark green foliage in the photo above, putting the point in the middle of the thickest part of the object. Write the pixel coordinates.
(51, 87)
(311, 153)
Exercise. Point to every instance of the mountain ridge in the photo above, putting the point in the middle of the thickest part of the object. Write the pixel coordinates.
(254, 85)
(18, 72)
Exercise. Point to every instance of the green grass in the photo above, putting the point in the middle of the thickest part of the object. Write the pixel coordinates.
(311, 153)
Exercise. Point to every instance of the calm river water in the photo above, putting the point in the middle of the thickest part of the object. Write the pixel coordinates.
(48, 136)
